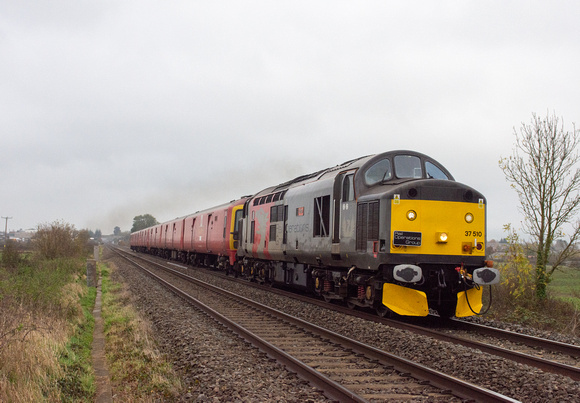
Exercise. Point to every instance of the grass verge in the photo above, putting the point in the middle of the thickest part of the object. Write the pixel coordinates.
(139, 372)
(45, 320)
(78, 380)
(565, 285)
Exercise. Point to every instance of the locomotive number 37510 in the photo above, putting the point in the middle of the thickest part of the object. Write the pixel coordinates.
(474, 233)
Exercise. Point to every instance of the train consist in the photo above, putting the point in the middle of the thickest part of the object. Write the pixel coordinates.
(393, 232)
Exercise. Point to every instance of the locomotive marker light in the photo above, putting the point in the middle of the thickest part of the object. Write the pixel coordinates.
(411, 215)
(442, 237)
(469, 218)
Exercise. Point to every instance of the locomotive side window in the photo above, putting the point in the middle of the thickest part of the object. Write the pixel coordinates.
(322, 216)
(276, 213)
(434, 172)
(348, 188)
(408, 166)
(379, 172)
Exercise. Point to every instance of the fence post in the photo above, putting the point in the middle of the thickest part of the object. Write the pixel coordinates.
(96, 251)
(91, 272)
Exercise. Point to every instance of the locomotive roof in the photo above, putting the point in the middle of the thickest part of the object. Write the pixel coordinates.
(351, 164)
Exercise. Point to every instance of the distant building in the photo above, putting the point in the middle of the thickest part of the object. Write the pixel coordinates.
(21, 235)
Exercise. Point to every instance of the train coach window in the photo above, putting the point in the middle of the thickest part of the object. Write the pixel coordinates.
(408, 166)
(379, 172)
(434, 172)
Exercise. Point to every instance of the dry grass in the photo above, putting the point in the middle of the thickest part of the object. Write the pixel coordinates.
(29, 359)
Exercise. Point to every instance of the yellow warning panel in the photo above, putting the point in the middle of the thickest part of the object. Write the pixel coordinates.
(475, 300)
(405, 301)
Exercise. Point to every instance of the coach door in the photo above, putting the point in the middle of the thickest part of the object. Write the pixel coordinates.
(344, 204)
(192, 236)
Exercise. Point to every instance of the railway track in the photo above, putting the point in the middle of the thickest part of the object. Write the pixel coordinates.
(564, 359)
(344, 369)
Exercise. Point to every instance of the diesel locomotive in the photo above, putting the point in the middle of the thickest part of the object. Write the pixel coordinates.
(393, 232)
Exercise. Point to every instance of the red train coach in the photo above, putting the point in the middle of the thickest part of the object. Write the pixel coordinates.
(205, 237)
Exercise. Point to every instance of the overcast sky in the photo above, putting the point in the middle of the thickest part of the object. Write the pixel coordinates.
(112, 109)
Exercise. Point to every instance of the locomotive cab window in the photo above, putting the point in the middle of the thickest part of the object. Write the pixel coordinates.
(434, 172)
(379, 172)
(408, 166)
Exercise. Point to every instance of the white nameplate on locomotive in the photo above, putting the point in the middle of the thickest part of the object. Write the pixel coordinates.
(406, 238)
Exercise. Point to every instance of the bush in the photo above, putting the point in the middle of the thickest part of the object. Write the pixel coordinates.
(60, 239)
(10, 255)
(514, 300)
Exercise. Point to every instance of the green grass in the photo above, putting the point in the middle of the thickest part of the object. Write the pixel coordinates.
(78, 382)
(565, 285)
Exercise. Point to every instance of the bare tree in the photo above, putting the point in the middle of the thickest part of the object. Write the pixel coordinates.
(543, 170)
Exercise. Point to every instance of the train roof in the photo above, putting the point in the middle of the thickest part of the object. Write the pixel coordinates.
(361, 162)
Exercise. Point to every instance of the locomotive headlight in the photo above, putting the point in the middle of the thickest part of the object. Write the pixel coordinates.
(469, 218)
(442, 237)
(411, 215)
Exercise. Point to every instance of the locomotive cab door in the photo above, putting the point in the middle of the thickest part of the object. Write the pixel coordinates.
(344, 223)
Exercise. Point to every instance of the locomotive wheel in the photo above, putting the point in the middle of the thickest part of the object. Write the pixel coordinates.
(383, 311)
(350, 305)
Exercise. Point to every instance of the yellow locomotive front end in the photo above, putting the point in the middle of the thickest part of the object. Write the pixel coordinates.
(439, 247)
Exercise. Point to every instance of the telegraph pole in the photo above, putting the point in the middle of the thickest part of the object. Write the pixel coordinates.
(6, 231)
